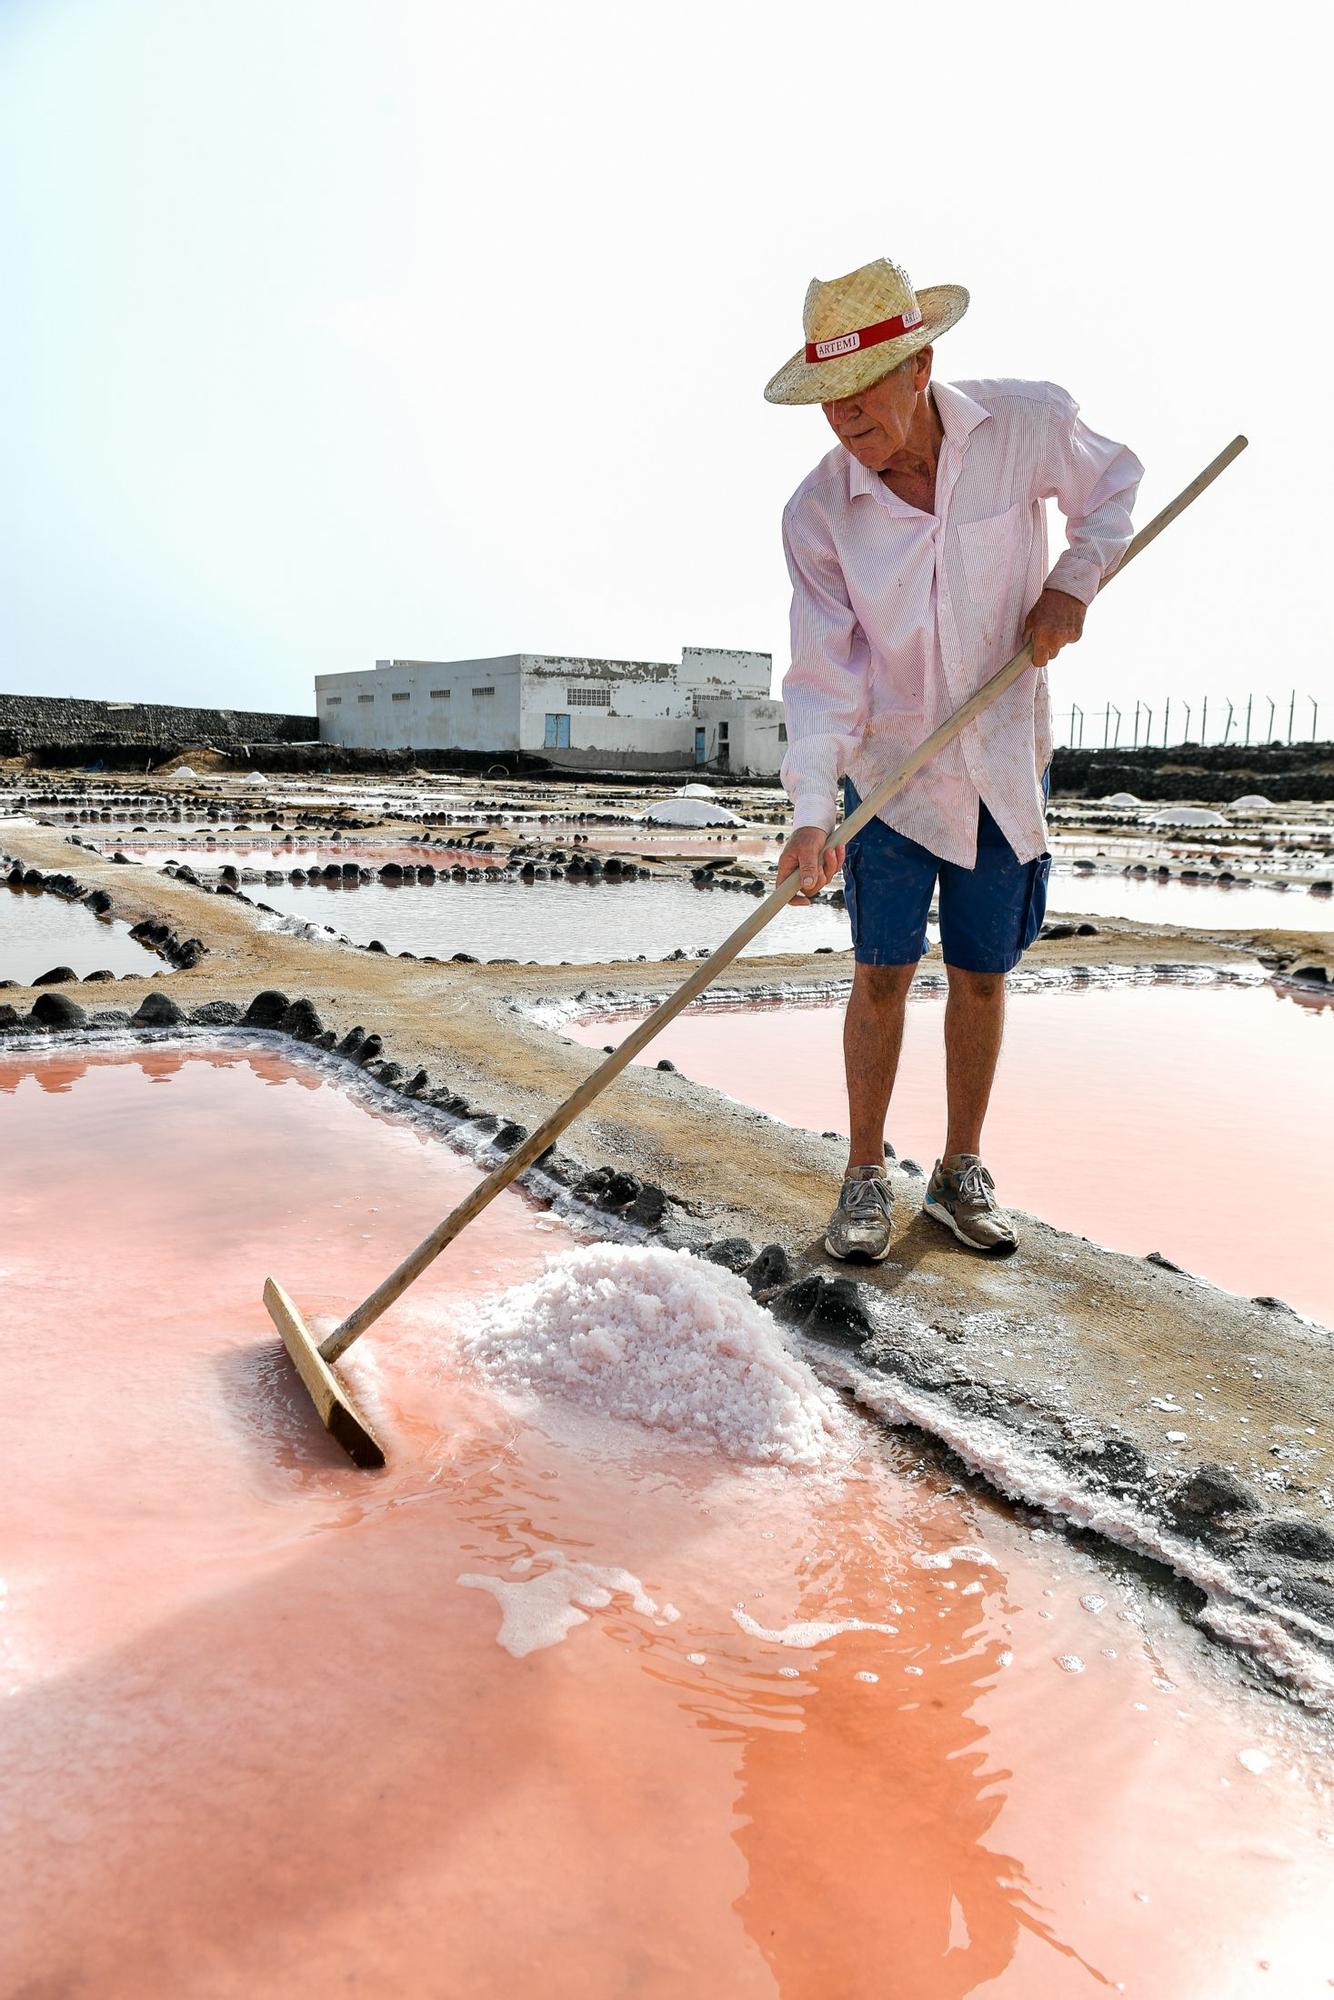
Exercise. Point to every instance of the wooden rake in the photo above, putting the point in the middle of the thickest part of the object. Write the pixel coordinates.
(314, 1358)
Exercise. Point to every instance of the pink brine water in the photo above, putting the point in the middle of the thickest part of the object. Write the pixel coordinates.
(555, 1704)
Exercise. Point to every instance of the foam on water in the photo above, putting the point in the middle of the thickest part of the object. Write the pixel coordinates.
(542, 1609)
(663, 1339)
(807, 1632)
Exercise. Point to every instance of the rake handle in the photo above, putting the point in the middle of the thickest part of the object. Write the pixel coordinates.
(593, 1085)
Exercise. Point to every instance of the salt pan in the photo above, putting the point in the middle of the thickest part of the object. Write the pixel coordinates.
(659, 1338)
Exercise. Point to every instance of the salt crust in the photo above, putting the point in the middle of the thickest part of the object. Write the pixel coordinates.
(542, 1609)
(660, 1338)
(1291, 1648)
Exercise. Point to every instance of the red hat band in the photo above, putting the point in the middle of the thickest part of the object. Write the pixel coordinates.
(866, 336)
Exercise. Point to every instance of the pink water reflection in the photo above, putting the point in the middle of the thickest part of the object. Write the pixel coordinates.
(1187, 1119)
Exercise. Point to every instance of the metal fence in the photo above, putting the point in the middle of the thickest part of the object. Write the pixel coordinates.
(1168, 720)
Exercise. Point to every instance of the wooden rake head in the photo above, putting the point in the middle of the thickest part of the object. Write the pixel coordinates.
(337, 1410)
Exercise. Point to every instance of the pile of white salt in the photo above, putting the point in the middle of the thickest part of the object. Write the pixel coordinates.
(660, 1338)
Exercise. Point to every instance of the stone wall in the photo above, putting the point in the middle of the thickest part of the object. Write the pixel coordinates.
(1213, 775)
(33, 721)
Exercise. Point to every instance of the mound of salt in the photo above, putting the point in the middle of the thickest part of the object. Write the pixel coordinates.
(1251, 802)
(1120, 799)
(659, 1338)
(691, 812)
(1187, 816)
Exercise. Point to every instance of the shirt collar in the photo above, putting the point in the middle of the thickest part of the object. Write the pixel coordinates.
(959, 417)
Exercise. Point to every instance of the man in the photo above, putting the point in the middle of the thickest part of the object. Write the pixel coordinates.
(917, 551)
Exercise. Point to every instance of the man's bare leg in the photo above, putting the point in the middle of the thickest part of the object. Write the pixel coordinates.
(974, 1024)
(872, 1038)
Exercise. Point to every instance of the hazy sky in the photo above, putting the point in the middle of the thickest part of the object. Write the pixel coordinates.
(334, 331)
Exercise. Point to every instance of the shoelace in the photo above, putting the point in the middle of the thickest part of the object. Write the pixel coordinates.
(975, 1183)
(862, 1197)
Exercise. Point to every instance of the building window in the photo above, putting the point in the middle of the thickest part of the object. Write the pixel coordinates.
(365, 697)
(439, 694)
(480, 694)
(588, 697)
(400, 697)
(333, 701)
(557, 733)
(782, 732)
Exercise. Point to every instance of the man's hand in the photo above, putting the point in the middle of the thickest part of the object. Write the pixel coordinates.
(1056, 620)
(802, 857)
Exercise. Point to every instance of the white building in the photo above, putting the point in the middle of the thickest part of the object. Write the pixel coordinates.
(714, 710)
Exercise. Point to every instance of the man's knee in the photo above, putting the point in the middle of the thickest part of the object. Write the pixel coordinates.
(883, 985)
(982, 987)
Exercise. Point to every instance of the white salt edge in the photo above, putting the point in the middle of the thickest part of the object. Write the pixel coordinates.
(660, 1338)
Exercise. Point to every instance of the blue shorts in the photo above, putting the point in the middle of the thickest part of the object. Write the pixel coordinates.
(989, 914)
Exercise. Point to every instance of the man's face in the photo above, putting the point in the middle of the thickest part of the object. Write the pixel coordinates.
(874, 424)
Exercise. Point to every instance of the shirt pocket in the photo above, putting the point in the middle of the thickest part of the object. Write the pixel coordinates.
(994, 561)
(988, 550)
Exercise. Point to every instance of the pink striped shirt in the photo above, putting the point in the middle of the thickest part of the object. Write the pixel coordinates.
(898, 616)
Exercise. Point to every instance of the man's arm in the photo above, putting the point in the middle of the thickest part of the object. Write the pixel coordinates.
(1094, 482)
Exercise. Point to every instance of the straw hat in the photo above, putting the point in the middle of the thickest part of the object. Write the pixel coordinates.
(860, 327)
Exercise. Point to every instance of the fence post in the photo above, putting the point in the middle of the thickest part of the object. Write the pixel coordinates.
(1269, 726)
(1249, 699)
(1204, 721)
(1167, 710)
(1292, 710)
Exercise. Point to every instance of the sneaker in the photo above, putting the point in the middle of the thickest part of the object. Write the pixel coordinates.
(963, 1198)
(859, 1226)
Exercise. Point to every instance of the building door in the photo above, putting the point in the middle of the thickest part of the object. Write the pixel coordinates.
(701, 754)
(557, 732)
(724, 747)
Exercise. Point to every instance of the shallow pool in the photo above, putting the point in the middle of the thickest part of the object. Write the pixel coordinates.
(1202, 905)
(39, 931)
(1193, 1120)
(552, 921)
(260, 1736)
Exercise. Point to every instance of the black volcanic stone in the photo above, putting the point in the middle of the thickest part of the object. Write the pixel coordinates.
(266, 1009)
(216, 1014)
(59, 975)
(9, 1016)
(510, 1135)
(157, 1010)
(826, 1308)
(55, 1010)
(648, 1207)
(370, 1050)
(1210, 1493)
(772, 1267)
(301, 1021)
(1293, 1535)
(734, 1253)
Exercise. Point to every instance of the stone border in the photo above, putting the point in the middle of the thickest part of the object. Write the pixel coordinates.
(1259, 1579)
(180, 953)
